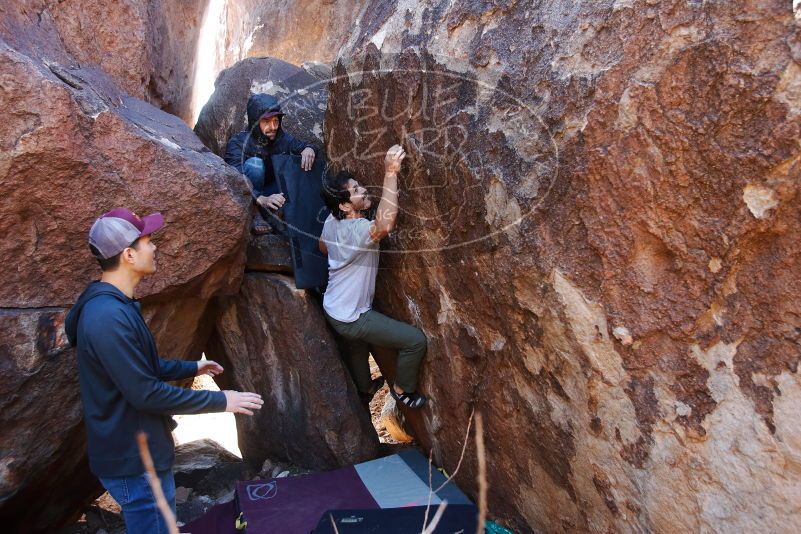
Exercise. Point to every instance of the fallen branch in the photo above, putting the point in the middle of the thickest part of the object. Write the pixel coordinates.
(155, 483)
(430, 489)
(435, 520)
(333, 523)
(482, 474)
(443, 504)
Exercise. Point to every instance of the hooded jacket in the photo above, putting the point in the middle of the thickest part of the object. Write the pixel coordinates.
(250, 142)
(122, 383)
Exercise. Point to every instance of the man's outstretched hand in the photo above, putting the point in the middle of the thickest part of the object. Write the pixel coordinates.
(208, 367)
(307, 159)
(242, 402)
(393, 159)
(235, 401)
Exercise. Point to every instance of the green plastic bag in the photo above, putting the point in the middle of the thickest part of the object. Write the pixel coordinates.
(491, 527)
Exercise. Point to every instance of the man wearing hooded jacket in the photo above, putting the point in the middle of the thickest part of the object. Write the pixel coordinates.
(250, 150)
(123, 379)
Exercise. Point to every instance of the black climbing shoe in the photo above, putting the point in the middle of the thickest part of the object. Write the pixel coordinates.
(410, 400)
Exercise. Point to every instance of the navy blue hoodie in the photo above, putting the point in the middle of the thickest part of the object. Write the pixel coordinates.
(122, 383)
(250, 143)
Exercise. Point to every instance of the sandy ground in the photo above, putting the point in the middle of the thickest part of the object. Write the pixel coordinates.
(377, 404)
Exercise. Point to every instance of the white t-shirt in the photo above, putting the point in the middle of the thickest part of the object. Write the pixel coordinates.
(352, 268)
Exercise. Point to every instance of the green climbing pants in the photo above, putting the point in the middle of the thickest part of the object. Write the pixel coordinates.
(373, 328)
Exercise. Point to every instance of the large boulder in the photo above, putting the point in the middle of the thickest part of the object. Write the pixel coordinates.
(597, 235)
(74, 146)
(274, 340)
(303, 94)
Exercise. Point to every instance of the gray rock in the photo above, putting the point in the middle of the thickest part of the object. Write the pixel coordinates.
(205, 474)
(182, 494)
(303, 98)
(269, 253)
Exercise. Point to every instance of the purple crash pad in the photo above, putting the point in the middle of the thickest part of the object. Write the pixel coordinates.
(294, 504)
(218, 520)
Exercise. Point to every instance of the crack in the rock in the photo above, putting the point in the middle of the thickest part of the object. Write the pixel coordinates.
(55, 309)
(66, 77)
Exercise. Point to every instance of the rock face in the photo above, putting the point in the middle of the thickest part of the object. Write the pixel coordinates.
(295, 31)
(598, 235)
(74, 146)
(276, 343)
(42, 441)
(269, 253)
(291, 30)
(303, 95)
(147, 48)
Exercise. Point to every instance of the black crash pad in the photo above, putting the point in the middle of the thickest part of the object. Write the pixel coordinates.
(304, 215)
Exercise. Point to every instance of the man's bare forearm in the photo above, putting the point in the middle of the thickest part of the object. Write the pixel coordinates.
(387, 212)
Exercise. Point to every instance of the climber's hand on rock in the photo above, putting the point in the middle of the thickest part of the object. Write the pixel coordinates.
(208, 367)
(307, 159)
(272, 202)
(242, 402)
(393, 159)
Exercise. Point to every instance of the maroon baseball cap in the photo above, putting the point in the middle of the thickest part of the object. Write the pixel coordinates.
(115, 230)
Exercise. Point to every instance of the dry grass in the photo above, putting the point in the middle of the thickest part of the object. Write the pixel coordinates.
(461, 457)
(481, 478)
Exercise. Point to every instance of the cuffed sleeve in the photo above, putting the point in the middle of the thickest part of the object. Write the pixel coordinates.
(176, 369)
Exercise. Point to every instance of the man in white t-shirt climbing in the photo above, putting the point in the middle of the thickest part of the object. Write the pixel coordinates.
(351, 242)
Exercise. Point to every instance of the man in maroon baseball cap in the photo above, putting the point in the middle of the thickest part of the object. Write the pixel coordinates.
(116, 230)
(123, 380)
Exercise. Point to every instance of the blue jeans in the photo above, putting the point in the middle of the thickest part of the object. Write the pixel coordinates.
(255, 171)
(138, 504)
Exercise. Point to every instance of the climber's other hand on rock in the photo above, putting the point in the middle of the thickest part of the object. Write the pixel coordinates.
(393, 159)
(242, 402)
(208, 367)
(307, 159)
